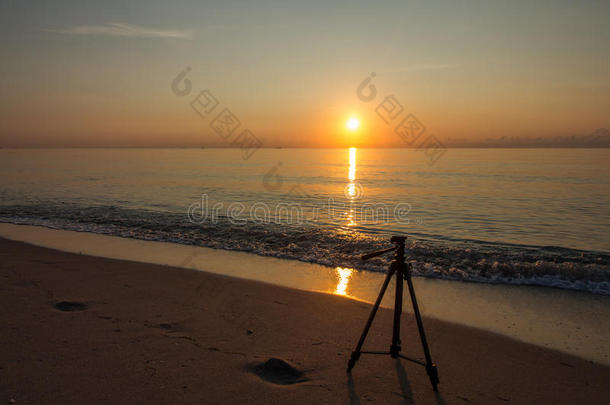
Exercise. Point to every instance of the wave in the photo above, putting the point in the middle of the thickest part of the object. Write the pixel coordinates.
(463, 260)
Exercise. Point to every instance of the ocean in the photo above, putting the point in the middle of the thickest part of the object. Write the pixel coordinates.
(509, 216)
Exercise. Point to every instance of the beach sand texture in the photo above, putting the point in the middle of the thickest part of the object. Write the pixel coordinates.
(82, 329)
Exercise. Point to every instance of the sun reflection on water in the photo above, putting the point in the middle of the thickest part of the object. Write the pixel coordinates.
(352, 164)
(344, 275)
(350, 218)
(351, 190)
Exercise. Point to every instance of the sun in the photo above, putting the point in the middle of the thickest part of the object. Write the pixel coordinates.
(352, 124)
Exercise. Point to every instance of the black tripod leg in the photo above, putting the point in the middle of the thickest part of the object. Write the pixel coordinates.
(430, 366)
(395, 346)
(356, 353)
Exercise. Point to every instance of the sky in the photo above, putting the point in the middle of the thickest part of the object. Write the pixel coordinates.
(84, 73)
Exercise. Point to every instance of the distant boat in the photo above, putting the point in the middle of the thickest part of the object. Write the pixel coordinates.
(278, 147)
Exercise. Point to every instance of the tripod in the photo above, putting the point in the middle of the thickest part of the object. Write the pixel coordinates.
(399, 268)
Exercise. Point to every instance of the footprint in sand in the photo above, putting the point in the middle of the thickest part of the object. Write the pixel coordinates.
(277, 371)
(69, 306)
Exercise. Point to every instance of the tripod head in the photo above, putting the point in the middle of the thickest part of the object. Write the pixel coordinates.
(399, 248)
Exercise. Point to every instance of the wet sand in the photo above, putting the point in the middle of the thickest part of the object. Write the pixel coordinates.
(82, 329)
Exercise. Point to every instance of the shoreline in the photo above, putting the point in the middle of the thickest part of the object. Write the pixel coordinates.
(152, 333)
(531, 269)
(573, 322)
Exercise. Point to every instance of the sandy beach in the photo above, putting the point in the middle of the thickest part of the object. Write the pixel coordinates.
(82, 329)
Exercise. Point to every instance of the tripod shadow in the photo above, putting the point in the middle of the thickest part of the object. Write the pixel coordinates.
(403, 380)
(351, 391)
(439, 399)
(405, 387)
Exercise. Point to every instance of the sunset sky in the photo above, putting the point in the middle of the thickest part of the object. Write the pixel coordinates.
(77, 73)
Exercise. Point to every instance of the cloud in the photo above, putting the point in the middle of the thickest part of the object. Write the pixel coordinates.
(124, 30)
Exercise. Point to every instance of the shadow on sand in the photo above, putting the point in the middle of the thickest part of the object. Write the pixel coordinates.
(403, 381)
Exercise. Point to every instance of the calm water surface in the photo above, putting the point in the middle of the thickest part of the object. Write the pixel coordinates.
(519, 216)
